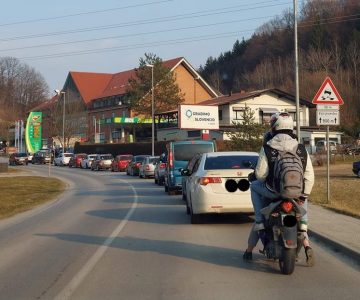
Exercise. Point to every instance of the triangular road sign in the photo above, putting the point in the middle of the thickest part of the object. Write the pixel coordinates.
(328, 94)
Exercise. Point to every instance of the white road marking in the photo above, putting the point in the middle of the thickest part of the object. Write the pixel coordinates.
(90, 264)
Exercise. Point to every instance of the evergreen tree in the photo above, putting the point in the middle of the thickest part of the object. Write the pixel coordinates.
(247, 135)
(167, 94)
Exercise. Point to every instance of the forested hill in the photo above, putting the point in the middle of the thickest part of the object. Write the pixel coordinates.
(329, 45)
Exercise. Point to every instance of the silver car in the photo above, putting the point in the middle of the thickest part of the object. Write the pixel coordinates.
(87, 162)
(160, 167)
(147, 167)
(102, 162)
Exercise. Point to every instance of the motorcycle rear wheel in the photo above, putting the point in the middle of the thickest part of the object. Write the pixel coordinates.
(287, 261)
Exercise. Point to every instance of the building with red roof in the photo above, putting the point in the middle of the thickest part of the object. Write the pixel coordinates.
(108, 117)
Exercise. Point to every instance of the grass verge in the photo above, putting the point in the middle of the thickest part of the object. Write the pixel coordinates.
(344, 188)
(21, 193)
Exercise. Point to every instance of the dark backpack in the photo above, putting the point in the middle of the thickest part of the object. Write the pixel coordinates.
(287, 178)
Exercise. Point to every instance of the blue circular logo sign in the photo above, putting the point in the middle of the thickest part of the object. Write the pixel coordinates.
(188, 113)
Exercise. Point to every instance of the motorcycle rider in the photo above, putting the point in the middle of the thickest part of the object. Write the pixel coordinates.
(280, 137)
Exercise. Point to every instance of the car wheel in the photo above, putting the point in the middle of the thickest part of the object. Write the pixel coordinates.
(166, 188)
(187, 208)
(183, 195)
(358, 175)
(171, 192)
(194, 218)
(156, 181)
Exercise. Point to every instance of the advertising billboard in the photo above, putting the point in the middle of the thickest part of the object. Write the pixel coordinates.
(198, 117)
(33, 132)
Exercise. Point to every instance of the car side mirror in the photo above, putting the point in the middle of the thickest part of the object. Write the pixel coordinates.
(185, 172)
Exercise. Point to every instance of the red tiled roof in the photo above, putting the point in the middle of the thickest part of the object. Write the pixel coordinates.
(90, 85)
(119, 81)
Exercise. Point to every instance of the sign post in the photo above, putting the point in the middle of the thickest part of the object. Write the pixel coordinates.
(327, 101)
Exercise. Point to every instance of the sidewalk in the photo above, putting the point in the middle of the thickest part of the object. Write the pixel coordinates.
(339, 231)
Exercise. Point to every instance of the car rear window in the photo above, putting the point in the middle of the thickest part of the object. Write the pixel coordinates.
(21, 155)
(125, 157)
(67, 155)
(230, 162)
(139, 158)
(106, 157)
(186, 152)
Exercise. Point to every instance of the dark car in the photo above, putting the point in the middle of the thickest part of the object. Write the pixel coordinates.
(178, 155)
(356, 168)
(102, 162)
(134, 165)
(75, 161)
(18, 159)
(121, 162)
(159, 171)
(42, 157)
(189, 168)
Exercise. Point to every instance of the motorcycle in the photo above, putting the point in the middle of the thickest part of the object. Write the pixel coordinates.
(282, 238)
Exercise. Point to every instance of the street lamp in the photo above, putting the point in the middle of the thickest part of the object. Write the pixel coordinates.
(58, 92)
(297, 100)
(152, 111)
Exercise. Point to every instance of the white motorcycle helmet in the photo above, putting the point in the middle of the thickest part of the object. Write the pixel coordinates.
(281, 121)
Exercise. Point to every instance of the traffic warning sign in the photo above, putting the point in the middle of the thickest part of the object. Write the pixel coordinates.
(328, 94)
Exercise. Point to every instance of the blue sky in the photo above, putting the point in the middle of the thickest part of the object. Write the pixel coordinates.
(55, 37)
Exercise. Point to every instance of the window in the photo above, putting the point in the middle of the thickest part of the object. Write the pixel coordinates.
(193, 133)
(239, 115)
(185, 152)
(266, 113)
(230, 162)
(220, 115)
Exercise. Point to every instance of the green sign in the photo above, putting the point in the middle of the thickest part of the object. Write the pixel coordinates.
(33, 132)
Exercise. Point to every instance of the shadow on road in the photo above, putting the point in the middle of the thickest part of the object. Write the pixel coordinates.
(209, 254)
(164, 215)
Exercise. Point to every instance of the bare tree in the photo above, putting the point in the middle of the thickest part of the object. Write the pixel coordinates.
(73, 120)
(353, 59)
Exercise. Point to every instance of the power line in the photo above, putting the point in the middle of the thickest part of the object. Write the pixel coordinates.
(136, 46)
(156, 43)
(305, 24)
(134, 34)
(147, 21)
(82, 13)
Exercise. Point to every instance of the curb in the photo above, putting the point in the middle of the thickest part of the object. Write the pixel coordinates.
(337, 247)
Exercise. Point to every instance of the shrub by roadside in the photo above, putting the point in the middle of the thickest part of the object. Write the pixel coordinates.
(344, 188)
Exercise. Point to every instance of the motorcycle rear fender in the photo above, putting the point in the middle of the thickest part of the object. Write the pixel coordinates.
(266, 211)
(289, 234)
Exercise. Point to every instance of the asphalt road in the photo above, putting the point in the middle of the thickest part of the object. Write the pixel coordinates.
(111, 236)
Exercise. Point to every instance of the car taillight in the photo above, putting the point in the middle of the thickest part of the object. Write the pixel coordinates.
(162, 166)
(147, 168)
(287, 206)
(171, 160)
(137, 165)
(207, 180)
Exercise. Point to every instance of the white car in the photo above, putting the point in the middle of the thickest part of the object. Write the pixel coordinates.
(147, 167)
(218, 183)
(63, 159)
(87, 162)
